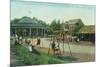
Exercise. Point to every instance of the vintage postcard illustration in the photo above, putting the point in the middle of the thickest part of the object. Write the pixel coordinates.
(51, 33)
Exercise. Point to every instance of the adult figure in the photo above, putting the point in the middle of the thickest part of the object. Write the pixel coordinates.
(38, 41)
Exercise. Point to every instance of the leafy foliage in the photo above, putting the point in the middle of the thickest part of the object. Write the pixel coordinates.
(78, 25)
(55, 25)
(24, 57)
(15, 20)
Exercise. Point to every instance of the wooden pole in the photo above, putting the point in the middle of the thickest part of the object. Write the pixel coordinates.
(68, 44)
(49, 45)
(63, 43)
(69, 49)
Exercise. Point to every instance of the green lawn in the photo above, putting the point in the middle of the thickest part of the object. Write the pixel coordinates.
(24, 57)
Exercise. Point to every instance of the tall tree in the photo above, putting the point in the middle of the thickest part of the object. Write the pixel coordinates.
(53, 25)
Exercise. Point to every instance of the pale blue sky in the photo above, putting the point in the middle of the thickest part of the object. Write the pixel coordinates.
(49, 11)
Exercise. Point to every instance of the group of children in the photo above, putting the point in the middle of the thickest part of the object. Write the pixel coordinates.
(56, 46)
(27, 41)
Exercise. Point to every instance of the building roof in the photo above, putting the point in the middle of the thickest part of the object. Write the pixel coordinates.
(89, 29)
(28, 22)
(73, 21)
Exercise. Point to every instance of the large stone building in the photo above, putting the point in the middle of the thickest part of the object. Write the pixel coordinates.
(27, 26)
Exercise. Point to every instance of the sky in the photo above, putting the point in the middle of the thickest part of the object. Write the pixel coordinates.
(50, 11)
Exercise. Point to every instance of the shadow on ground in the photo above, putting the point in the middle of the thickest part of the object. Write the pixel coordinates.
(67, 58)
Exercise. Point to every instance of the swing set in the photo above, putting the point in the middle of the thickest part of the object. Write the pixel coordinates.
(55, 42)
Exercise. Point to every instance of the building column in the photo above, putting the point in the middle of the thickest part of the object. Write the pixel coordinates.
(34, 32)
(43, 32)
(15, 31)
(30, 32)
(37, 32)
(25, 32)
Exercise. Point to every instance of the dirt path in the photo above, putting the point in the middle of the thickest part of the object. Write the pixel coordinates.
(80, 56)
(82, 47)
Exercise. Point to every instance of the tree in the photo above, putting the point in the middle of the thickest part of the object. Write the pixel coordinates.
(78, 25)
(55, 25)
(58, 25)
(15, 20)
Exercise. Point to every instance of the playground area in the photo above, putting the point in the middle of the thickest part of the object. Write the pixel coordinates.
(83, 51)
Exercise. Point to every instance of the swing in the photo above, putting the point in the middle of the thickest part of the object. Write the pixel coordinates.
(56, 50)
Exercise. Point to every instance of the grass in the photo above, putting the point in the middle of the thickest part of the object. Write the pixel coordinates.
(25, 57)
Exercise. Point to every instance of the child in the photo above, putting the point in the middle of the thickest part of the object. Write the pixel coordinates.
(29, 45)
(53, 47)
